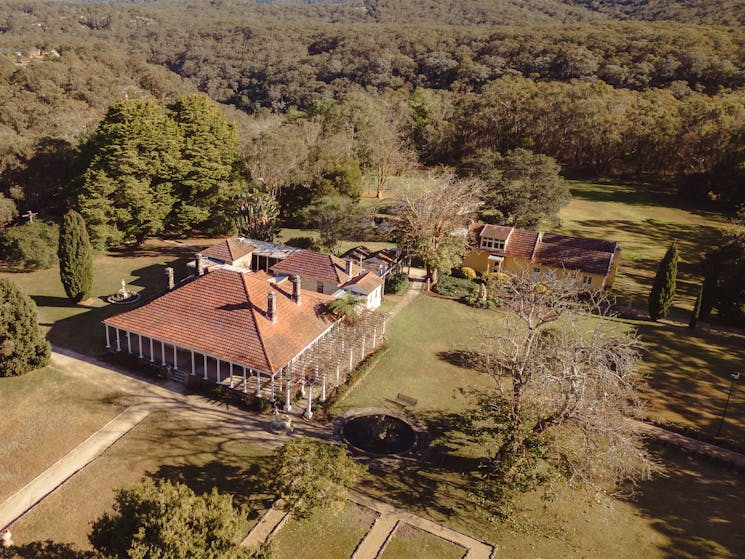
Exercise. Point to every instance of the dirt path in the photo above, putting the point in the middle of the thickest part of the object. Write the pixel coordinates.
(417, 283)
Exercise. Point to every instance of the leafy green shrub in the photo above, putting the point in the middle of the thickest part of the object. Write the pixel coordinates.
(32, 246)
(454, 287)
(490, 302)
(468, 273)
(396, 283)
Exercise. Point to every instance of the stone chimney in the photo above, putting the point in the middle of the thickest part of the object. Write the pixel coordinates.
(199, 265)
(271, 306)
(170, 283)
(296, 296)
(349, 268)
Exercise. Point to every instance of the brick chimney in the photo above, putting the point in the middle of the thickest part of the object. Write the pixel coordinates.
(349, 268)
(170, 283)
(199, 265)
(296, 296)
(271, 306)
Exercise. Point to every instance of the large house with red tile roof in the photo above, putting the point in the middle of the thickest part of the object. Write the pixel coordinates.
(496, 248)
(244, 330)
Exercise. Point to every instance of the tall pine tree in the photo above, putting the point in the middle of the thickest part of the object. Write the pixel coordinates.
(75, 257)
(23, 348)
(211, 164)
(130, 166)
(663, 288)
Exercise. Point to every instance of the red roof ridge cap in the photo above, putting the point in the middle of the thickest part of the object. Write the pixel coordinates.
(256, 322)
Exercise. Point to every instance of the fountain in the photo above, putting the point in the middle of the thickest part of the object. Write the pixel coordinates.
(124, 296)
(380, 434)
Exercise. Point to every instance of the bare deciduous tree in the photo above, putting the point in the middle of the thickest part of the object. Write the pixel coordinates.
(432, 211)
(566, 380)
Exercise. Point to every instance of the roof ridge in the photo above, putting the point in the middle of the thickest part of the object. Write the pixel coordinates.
(260, 335)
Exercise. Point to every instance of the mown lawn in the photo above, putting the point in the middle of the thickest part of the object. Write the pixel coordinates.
(202, 455)
(47, 413)
(324, 534)
(424, 338)
(412, 543)
(644, 219)
(416, 364)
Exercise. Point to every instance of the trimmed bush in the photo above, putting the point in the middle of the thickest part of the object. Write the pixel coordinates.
(468, 273)
(455, 287)
(396, 284)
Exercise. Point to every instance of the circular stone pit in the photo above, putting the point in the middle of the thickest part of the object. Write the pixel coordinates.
(382, 436)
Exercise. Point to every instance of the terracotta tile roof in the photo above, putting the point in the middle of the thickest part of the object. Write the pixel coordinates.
(228, 251)
(358, 253)
(592, 256)
(366, 282)
(314, 265)
(223, 314)
(521, 244)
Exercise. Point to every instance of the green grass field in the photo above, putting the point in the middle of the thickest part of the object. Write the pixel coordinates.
(412, 543)
(644, 219)
(324, 534)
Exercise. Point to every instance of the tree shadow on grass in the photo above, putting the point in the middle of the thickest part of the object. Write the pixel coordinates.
(45, 550)
(248, 484)
(442, 481)
(697, 505)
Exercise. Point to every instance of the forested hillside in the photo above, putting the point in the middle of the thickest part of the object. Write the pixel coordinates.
(715, 12)
(439, 81)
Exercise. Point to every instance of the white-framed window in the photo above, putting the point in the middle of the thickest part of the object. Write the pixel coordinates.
(492, 243)
(587, 281)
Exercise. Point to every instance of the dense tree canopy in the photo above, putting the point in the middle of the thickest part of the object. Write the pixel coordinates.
(521, 188)
(164, 519)
(23, 347)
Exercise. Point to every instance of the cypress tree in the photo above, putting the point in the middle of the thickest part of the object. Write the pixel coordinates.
(696, 309)
(710, 288)
(75, 257)
(22, 345)
(663, 288)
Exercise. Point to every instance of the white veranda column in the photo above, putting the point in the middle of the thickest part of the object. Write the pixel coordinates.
(205, 365)
(245, 383)
(175, 357)
(152, 353)
(323, 389)
(351, 358)
(108, 341)
(163, 352)
(218, 371)
(129, 342)
(308, 410)
(288, 397)
(139, 337)
(375, 336)
(118, 342)
(193, 366)
(231, 374)
(258, 384)
(337, 374)
(271, 390)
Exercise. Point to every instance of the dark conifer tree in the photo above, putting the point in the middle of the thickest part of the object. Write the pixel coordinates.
(75, 257)
(23, 348)
(663, 288)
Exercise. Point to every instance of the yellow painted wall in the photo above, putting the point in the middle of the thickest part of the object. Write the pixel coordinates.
(479, 261)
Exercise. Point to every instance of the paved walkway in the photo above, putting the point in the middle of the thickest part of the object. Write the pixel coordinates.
(381, 532)
(45, 483)
(268, 525)
(692, 445)
(375, 540)
(417, 284)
